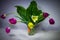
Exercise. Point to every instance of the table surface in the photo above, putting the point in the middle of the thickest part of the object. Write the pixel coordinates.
(17, 34)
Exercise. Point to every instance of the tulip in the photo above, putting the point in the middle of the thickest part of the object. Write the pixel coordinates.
(7, 29)
(3, 16)
(12, 21)
(45, 14)
(51, 21)
(30, 25)
(34, 18)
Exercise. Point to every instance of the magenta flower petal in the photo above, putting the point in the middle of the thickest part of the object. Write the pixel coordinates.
(45, 14)
(7, 29)
(51, 21)
(3, 16)
(12, 21)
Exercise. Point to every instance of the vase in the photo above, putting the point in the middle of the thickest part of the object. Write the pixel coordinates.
(31, 31)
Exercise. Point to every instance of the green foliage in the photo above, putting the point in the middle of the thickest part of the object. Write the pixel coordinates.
(22, 13)
(25, 14)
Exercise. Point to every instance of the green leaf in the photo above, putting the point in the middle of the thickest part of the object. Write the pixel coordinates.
(40, 12)
(32, 9)
(22, 20)
(22, 12)
(41, 18)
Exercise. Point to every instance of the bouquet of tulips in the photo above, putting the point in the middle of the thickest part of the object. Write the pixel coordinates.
(32, 16)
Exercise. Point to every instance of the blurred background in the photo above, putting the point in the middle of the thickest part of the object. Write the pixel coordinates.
(19, 30)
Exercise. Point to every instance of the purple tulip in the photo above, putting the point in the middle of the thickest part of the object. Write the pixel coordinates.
(51, 21)
(12, 21)
(45, 14)
(7, 29)
(3, 16)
